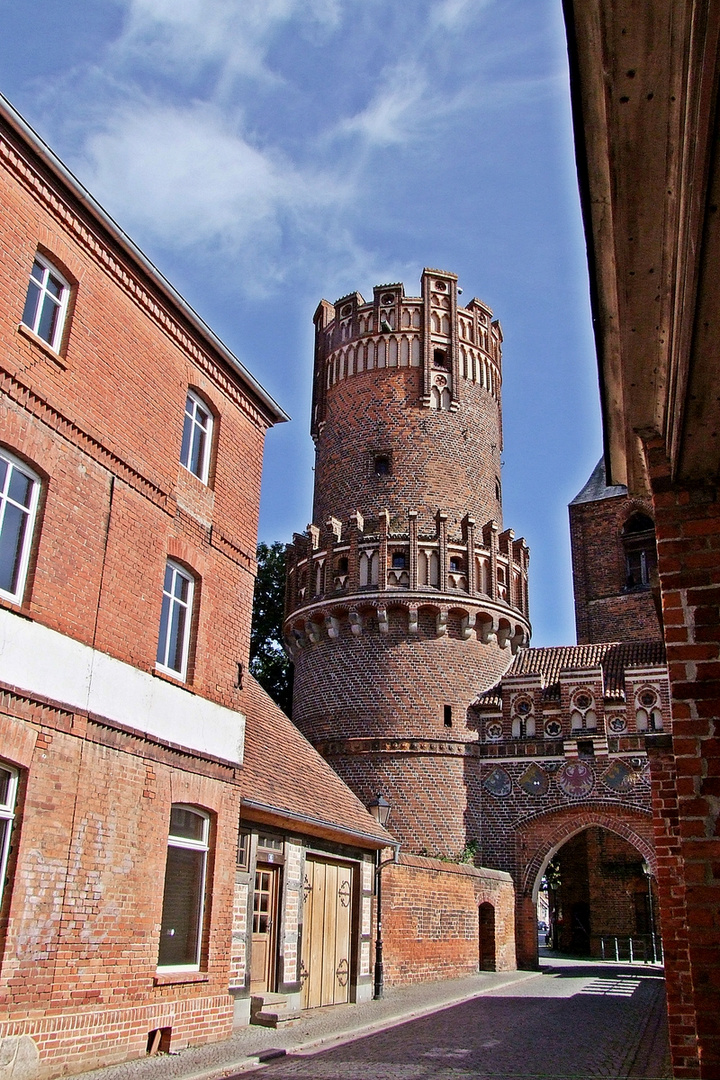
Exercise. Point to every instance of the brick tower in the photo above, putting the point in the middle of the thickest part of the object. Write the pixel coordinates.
(405, 597)
(614, 557)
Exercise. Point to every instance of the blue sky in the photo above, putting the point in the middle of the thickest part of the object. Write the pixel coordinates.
(267, 153)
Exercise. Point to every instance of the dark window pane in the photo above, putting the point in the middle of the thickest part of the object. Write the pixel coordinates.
(186, 439)
(198, 452)
(182, 908)
(4, 466)
(162, 642)
(38, 271)
(11, 539)
(177, 638)
(48, 321)
(31, 303)
(180, 589)
(20, 487)
(186, 824)
(54, 287)
(5, 781)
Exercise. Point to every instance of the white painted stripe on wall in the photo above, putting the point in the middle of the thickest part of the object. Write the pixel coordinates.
(43, 662)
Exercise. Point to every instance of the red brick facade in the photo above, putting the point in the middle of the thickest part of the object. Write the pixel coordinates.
(98, 742)
(441, 920)
(688, 787)
(612, 602)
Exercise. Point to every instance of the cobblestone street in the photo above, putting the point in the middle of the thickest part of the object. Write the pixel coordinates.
(577, 1019)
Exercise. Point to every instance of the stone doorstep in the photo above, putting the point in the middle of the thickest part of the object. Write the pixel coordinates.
(271, 1010)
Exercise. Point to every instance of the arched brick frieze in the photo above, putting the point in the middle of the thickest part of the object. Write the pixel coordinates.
(539, 837)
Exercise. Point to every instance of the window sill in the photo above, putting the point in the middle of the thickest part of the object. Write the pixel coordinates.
(43, 345)
(171, 978)
(158, 673)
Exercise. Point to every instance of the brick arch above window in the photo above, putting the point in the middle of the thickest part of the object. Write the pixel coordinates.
(55, 247)
(190, 557)
(18, 742)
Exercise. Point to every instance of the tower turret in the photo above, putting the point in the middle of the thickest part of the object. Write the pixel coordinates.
(405, 597)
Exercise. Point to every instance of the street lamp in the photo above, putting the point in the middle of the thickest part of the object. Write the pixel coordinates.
(648, 874)
(379, 807)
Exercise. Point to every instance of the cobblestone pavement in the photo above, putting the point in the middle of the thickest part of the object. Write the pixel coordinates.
(578, 1019)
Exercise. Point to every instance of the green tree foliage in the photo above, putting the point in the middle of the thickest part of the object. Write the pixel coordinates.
(269, 662)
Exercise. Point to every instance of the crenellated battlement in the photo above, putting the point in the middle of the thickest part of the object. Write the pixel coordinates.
(480, 572)
(449, 344)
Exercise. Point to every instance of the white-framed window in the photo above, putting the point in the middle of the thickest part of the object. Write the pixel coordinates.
(8, 794)
(19, 493)
(46, 302)
(197, 437)
(184, 893)
(175, 620)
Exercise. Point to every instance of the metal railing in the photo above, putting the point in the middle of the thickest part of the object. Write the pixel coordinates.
(642, 949)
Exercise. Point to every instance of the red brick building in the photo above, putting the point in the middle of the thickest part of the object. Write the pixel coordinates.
(131, 444)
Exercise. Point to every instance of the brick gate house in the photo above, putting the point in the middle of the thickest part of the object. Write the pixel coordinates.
(131, 444)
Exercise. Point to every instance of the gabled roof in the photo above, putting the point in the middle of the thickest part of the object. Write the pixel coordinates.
(597, 487)
(285, 777)
(614, 658)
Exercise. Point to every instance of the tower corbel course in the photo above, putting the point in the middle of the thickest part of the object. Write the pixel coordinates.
(405, 597)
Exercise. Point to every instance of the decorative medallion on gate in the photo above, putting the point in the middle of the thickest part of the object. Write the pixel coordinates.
(344, 894)
(342, 972)
(498, 783)
(534, 781)
(619, 777)
(553, 729)
(493, 730)
(617, 724)
(307, 889)
(576, 779)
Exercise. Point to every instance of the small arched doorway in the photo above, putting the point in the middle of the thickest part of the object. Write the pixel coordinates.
(486, 937)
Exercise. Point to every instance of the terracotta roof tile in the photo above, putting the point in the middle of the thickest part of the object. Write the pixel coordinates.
(283, 773)
(613, 657)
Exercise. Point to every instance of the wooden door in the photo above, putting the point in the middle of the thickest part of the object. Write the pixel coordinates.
(262, 958)
(327, 933)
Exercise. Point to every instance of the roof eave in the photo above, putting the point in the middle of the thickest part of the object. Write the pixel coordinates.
(268, 406)
(318, 826)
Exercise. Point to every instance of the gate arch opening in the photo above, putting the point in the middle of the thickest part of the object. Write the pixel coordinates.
(620, 843)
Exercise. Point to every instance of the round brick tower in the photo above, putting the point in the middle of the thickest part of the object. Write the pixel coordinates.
(405, 597)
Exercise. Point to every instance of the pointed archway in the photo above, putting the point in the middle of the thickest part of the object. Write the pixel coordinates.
(540, 838)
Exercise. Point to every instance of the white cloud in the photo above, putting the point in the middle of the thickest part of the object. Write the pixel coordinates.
(185, 177)
(234, 35)
(399, 107)
(455, 14)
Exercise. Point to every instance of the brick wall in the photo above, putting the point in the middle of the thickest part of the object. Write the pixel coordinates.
(430, 916)
(687, 522)
(439, 460)
(81, 924)
(604, 609)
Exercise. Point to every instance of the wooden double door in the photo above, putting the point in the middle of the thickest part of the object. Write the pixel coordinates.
(326, 957)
